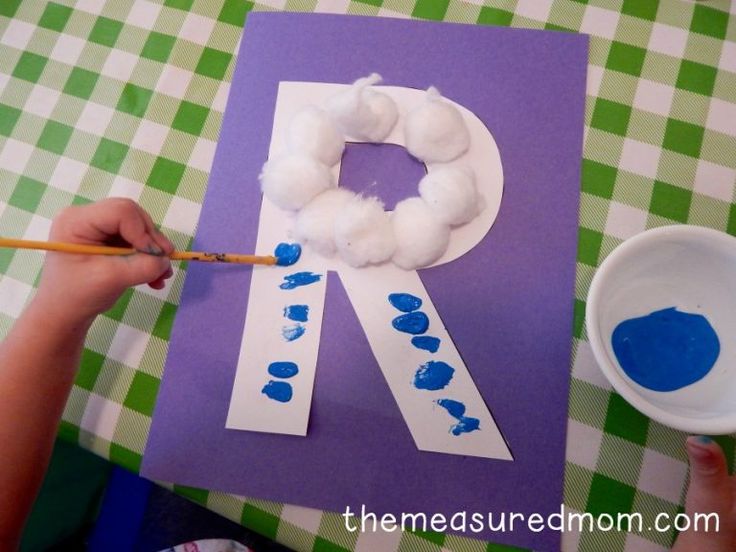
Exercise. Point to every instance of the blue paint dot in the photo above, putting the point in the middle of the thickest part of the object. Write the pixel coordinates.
(298, 279)
(456, 409)
(411, 323)
(426, 342)
(667, 349)
(283, 369)
(433, 375)
(465, 425)
(297, 313)
(291, 333)
(287, 253)
(278, 390)
(405, 302)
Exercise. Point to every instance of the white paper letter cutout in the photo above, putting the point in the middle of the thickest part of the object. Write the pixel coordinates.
(431, 425)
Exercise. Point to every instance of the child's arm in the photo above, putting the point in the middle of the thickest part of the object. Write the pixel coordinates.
(39, 357)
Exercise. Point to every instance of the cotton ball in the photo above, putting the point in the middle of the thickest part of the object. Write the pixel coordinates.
(363, 233)
(421, 238)
(362, 112)
(292, 180)
(435, 130)
(315, 223)
(451, 194)
(312, 131)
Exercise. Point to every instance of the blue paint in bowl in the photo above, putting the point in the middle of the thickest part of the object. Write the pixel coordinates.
(693, 269)
(667, 349)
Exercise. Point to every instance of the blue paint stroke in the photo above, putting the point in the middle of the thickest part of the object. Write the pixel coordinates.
(278, 390)
(456, 409)
(297, 313)
(291, 333)
(298, 279)
(287, 253)
(412, 323)
(667, 349)
(426, 342)
(283, 369)
(405, 302)
(433, 375)
(465, 425)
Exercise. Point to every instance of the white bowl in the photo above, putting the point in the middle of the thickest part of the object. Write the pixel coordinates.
(687, 267)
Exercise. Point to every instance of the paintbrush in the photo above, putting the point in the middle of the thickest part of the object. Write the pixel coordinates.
(78, 248)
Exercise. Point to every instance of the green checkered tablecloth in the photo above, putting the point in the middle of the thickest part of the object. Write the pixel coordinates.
(126, 98)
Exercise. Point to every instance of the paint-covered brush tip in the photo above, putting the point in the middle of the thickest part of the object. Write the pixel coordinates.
(287, 253)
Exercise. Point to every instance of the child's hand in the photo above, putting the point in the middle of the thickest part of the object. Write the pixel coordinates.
(77, 288)
(711, 490)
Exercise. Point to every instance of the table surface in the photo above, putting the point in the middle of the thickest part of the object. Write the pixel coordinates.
(126, 98)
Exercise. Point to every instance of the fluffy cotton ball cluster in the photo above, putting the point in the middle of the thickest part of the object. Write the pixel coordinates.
(363, 232)
(293, 180)
(313, 132)
(331, 219)
(435, 130)
(421, 238)
(315, 223)
(451, 194)
(363, 112)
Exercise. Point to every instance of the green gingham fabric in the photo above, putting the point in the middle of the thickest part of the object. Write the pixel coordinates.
(126, 98)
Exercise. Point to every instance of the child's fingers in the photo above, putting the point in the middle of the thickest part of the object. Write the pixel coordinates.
(113, 217)
(710, 488)
(163, 242)
(120, 217)
(143, 269)
(160, 282)
(710, 491)
(97, 222)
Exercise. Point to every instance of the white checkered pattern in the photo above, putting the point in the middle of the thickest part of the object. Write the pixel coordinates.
(14, 155)
(722, 116)
(67, 49)
(624, 221)
(100, 416)
(586, 368)
(182, 215)
(68, 174)
(13, 296)
(715, 180)
(599, 22)
(640, 158)
(662, 476)
(654, 97)
(669, 40)
(119, 65)
(17, 34)
(128, 345)
(95, 118)
(41, 101)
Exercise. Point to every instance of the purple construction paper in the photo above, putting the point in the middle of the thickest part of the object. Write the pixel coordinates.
(508, 303)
